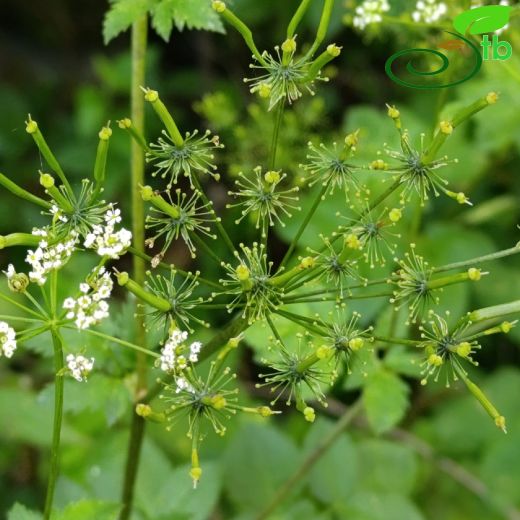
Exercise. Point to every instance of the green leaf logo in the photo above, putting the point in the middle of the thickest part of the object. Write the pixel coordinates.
(488, 18)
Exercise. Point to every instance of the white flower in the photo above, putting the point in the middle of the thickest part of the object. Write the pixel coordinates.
(105, 239)
(173, 354)
(49, 257)
(182, 384)
(7, 340)
(429, 11)
(369, 12)
(79, 366)
(91, 308)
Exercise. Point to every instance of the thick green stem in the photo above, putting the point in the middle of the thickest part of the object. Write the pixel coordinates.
(297, 17)
(325, 443)
(323, 27)
(276, 134)
(23, 194)
(139, 38)
(58, 417)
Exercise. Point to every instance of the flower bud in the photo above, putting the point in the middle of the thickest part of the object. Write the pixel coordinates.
(356, 343)
(446, 127)
(474, 274)
(18, 282)
(462, 199)
(151, 95)
(265, 411)
(352, 241)
(195, 474)
(506, 326)
(105, 133)
(146, 193)
(352, 139)
(122, 278)
(435, 360)
(464, 349)
(309, 414)
(31, 126)
(289, 45)
(264, 90)
(324, 352)
(334, 50)
(307, 262)
(393, 112)
(395, 214)
(218, 6)
(218, 402)
(124, 123)
(46, 180)
(242, 272)
(492, 98)
(500, 422)
(378, 164)
(272, 177)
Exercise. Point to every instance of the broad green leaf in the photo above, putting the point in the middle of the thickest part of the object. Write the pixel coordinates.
(386, 400)
(379, 506)
(89, 509)
(404, 360)
(488, 18)
(386, 467)
(175, 494)
(333, 477)
(20, 512)
(258, 460)
(121, 15)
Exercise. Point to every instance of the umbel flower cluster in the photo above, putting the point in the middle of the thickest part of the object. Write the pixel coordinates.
(253, 286)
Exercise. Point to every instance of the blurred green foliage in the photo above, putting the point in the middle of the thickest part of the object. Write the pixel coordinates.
(373, 472)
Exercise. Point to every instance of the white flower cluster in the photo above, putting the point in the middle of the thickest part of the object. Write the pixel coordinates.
(175, 354)
(91, 307)
(429, 11)
(369, 12)
(49, 257)
(7, 340)
(58, 213)
(182, 385)
(105, 239)
(79, 366)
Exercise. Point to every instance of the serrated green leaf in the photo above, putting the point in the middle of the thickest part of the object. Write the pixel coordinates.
(192, 14)
(333, 477)
(387, 467)
(20, 512)
(121, 15)
(89, 509)
(379, 506)
(258, 460)
(488, 18)
(386, 400)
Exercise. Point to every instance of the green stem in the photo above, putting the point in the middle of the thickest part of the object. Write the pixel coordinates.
(216, 220)
(58, 417)
(276, 133)
(23, 194)
(139, 40)
(23, 307)
(397, 341)
(304, 224)
(322, 28)
(297, 17)
(479, 260)
(326, 442)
